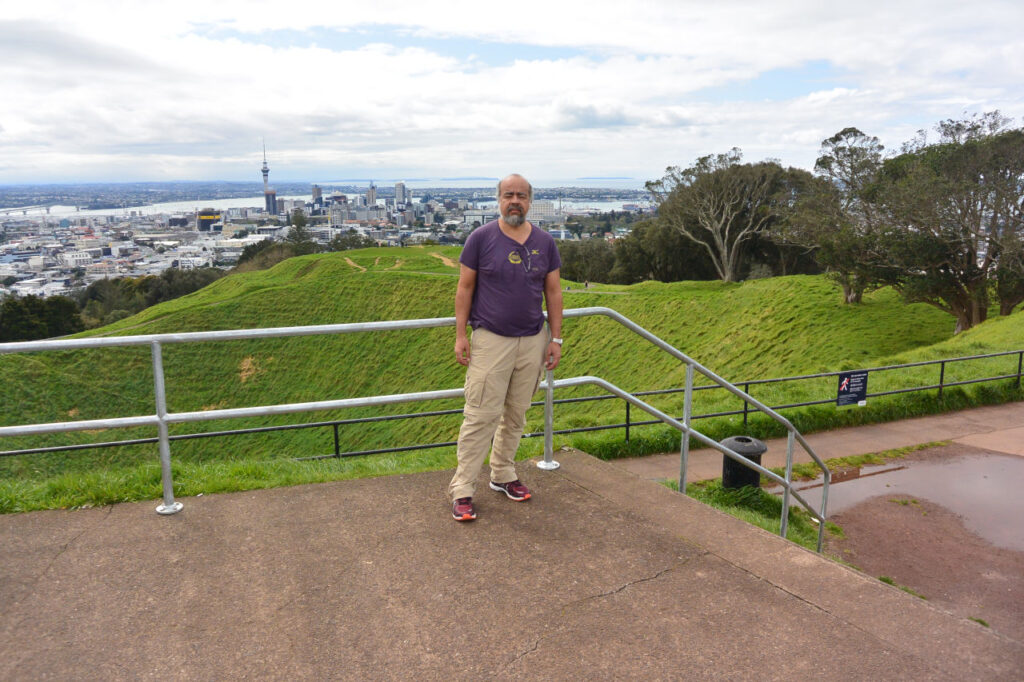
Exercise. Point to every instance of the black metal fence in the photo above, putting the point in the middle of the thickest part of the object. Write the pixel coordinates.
(747, 386)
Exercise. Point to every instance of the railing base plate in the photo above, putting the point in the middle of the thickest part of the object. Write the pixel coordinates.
(167, 510)
(548, 466)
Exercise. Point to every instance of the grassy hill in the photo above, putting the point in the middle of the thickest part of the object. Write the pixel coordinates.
(751, 330)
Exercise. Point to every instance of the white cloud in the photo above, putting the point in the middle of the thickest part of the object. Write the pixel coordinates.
(125, 91)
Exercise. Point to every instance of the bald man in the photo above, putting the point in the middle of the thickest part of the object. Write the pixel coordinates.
(509, 269)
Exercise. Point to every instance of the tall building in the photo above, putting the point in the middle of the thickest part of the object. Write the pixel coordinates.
(318, 196)
(269, 195)
(371, 195)
(206, 218)
(542, 211)
(401, 196)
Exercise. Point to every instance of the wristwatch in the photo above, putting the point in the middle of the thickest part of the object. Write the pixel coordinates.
(556, 340)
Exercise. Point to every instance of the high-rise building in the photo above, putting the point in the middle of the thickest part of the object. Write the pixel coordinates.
(269, 195)
(371, 195)
(542, 210)
(401, 196)
(206, 218)
(318, 196)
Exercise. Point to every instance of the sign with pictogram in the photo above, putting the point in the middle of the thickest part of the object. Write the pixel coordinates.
(853, 388)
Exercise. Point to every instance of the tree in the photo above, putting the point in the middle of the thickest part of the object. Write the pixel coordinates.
(955, 209)
(588, 260)
(720, 203)
(653, 250)
(251, 250)
(350, 240)
(1010, 275)
(575, 228)
(836, 216)
(61, 317)
(21, 319)
(32, 317)
(108, 300)
(299, 237)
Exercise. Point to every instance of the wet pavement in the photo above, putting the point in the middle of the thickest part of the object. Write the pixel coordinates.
(983, 489)
(998, 428)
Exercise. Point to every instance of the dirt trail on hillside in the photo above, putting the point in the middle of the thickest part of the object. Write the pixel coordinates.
(354, 264)
(444, 259)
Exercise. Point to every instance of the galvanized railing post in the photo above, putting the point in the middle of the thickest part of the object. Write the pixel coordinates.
(684, 445)
(169, 506)
(746, 405)
(627, 421)
(548, 463)
(827, 481)
(1020, 365)
(789, 482)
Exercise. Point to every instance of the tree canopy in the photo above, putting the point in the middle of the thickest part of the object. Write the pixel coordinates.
(721, 204)
(955, 214)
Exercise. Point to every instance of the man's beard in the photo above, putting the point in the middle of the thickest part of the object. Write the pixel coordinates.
(514, 219)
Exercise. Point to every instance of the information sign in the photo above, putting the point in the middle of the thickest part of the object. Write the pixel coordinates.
(853, 388)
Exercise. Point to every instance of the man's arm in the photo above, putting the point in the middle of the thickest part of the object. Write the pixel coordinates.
(463, 303)
(553, 301)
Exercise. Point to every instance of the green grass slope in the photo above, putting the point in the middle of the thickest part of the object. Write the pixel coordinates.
(758, 329)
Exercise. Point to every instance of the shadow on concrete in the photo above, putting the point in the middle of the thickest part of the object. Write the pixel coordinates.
(601, 575)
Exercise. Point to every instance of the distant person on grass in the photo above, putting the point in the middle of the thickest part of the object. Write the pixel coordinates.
(508, 268)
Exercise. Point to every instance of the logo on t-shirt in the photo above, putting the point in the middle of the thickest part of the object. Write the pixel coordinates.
(514, 257)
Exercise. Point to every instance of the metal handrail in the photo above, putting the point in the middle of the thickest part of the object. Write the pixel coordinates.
(163, 418)
(692, 366)
(627, 425)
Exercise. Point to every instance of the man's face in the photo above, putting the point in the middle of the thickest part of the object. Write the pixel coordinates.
(514, 202)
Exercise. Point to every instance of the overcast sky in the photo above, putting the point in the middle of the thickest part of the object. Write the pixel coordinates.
(556, 90)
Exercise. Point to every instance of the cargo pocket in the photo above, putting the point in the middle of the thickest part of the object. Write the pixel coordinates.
(474, 388)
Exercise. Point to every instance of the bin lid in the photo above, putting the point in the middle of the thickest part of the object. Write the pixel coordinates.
(745, 445)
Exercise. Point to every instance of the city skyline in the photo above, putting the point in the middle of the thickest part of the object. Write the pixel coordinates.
(107, 92)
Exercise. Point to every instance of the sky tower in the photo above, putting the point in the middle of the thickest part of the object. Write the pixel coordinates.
(269, 195)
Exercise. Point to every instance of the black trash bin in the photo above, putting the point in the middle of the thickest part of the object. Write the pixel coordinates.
(734, 474)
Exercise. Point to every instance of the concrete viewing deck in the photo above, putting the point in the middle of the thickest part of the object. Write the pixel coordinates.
(603, 575)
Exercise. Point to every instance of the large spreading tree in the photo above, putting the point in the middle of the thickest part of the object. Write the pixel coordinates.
(955, 213)
(721, 204)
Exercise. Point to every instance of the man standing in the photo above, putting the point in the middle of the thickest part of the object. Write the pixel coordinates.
(508, 268)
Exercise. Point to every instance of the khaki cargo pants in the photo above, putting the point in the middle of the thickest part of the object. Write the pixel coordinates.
(502, 377)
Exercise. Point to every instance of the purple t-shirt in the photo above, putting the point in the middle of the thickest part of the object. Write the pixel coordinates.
(509, 294)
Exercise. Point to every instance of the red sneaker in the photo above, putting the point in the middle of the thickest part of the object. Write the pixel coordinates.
(515, 490)
(462, 509)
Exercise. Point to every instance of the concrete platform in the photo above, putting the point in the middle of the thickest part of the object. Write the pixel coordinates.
(999, 428)
(603, 575)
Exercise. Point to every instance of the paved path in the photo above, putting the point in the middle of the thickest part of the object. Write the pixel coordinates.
(996, 427)
(603, 575)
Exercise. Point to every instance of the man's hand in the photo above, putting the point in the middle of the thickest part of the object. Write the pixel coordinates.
(552, 355)
(462, 350)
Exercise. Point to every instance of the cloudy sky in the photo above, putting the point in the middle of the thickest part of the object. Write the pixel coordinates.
(561, 89)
